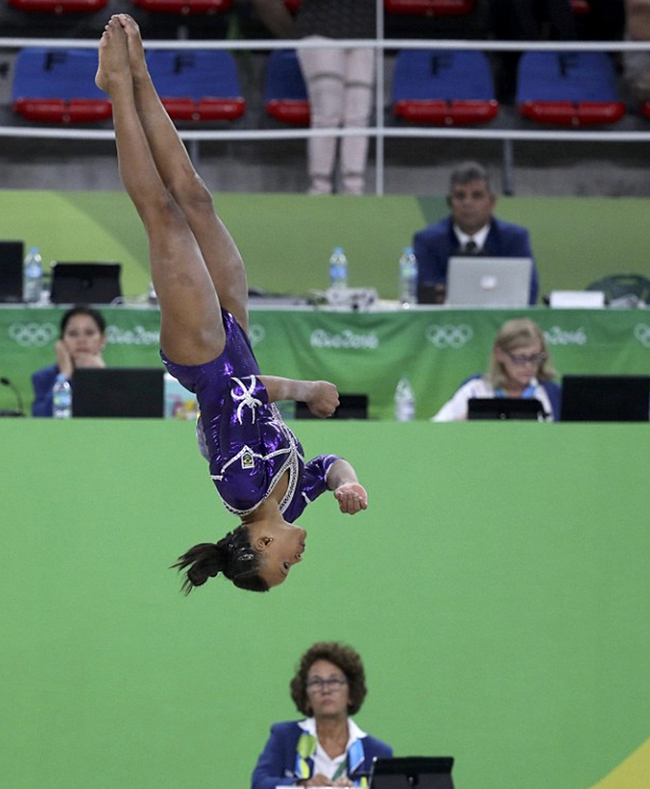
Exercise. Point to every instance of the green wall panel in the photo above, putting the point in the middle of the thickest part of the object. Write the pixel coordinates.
(497, 588)
(286, 240)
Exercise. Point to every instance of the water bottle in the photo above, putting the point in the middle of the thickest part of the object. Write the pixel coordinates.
(408, 278)
(62, 398)
(33, 276)
(404, 401)
(338, 269)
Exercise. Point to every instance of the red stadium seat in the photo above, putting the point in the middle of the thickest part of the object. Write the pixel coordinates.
(580, 6)
(58, 6)
(430, 7)
(443, 87)
(58, 86)
(285, 92)
(293, 5)
(63, 110)
(569, 113)
(185, 7)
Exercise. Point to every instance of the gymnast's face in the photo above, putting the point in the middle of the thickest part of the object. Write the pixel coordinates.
(282, 546)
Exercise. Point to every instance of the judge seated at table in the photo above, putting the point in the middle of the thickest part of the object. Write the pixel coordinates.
(470, 229)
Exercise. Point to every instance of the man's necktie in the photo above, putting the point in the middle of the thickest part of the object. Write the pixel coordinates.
(470, 247)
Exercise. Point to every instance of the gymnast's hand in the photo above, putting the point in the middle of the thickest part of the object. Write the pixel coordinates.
(322, 398)
(352, 497)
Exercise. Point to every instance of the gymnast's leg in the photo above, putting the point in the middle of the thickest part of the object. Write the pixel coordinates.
(219, 252)
(191, 327)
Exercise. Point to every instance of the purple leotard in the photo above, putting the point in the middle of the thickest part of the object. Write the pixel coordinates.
(249, 446)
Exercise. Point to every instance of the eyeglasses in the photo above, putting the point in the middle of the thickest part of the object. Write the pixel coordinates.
(521, 359)
(319, 684)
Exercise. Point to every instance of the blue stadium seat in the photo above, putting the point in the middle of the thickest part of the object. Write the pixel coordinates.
(197, 85)
(285, 92)
(568, 88)
(58, 86)
(443, 87)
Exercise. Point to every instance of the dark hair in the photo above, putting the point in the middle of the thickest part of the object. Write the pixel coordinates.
(467, 172)
(342, 656)
(233, 556)
(82, 309)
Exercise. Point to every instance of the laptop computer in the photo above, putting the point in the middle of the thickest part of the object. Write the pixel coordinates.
(407, 772)
(85, 283)
(118, 392)
(11, 271)
(351, 406)
(605, 398)
(505, 408)
(480, 281)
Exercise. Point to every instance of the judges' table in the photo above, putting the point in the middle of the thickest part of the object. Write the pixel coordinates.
(362, 352)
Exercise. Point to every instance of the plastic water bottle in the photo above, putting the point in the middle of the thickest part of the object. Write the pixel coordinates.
(404, 401)
(32, 276)
(408, 278)
(62, 398)
(338, 269)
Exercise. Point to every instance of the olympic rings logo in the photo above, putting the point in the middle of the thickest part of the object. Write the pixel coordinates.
(256, 334)
(448, 336)
(642, 334)
(32, 334)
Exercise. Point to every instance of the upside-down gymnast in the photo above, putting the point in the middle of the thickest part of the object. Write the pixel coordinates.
(255, 460)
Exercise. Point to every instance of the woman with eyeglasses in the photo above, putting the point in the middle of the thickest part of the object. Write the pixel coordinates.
(327, 748)
(256, 463)
(520, 367)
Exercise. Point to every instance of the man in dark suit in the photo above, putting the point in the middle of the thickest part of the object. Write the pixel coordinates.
(471, 229)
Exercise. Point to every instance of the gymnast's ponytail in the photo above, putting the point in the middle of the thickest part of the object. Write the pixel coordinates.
(233, 556)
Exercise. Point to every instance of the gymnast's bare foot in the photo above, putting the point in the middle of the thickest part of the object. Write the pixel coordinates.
(134, 46)
(113, 57)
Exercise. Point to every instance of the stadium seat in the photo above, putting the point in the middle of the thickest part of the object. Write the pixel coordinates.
(568, 88)
(58, 6)
(443, 87)
(430, 7)
(185, 7)
(580, 6)
(58, 86)
(197, 85)
(293, 5)
(285, 92)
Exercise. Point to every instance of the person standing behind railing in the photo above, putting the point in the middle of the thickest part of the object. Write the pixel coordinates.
(339, 82)
(637, 64)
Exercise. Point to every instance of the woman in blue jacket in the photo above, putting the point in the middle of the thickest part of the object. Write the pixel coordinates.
(327, 748)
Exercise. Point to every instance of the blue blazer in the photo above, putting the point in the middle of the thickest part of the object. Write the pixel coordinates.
(434, 245)
(276, 765)
(43, 383)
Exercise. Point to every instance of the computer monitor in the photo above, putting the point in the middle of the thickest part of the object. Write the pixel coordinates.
(11, 271)
(605, 398)
(505, 408)
(136, 392)
(409, 772)
(481, 281)
(85, 283)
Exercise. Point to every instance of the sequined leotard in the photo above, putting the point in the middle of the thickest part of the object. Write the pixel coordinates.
(249, 446)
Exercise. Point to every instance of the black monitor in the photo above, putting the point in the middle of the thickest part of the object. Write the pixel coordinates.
(411, 772)
(505, 408)
(605, 398)
(11, 271)
(85, 283)
(136, 392)
(351, 406)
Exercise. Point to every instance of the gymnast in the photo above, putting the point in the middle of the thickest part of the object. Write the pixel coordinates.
(256, 462)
